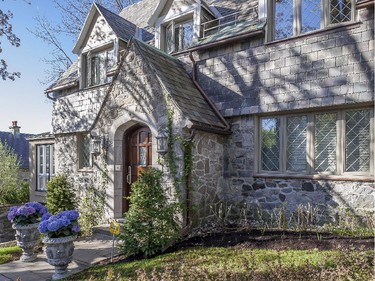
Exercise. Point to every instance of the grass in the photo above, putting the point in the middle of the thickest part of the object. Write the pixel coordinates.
(213, 263)
(9, 253)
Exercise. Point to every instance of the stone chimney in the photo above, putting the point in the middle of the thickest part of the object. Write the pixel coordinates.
(15, 129)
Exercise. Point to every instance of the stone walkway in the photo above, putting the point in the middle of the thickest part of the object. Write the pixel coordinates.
(87, 252)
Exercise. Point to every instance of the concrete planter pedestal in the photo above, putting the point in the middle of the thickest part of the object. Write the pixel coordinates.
(59, 252)
(27, 237)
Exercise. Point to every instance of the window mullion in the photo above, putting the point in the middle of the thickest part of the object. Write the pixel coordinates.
(283, 144)
(340, 151)
(310, 155)
(325, 12)
(297, 17)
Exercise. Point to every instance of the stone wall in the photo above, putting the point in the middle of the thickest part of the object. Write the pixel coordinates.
(6, 231)
(207, 186)
(327, 68)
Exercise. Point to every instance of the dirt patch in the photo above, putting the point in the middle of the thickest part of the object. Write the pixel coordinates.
(277, 240)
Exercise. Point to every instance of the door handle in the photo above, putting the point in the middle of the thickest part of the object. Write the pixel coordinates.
(129, 175)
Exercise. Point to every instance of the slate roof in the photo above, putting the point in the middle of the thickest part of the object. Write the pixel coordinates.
(123, 28)
(19, 144)
(179, 85)
(68, 77)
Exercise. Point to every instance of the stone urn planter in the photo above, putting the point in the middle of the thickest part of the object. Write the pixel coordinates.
(27, 237)
(59, 252)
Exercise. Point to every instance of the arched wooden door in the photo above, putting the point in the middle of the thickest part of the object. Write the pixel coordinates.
(138, 156)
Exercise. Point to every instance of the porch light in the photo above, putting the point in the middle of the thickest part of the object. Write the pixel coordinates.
(162, 144)
(95, 145)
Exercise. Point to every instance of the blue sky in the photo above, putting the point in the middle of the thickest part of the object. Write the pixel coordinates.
(23, 99)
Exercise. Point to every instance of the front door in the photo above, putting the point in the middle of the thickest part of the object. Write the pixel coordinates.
(138, 156)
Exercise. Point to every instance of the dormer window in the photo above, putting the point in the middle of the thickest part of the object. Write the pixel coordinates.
(178, 35)
(97, 66)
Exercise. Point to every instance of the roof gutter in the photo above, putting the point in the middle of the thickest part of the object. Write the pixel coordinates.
(68, 85)
(200, 89)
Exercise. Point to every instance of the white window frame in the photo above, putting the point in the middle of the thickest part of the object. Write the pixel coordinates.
(173, 24)
(297, 15)
(87, 65)
(310, 152)
(41, 185)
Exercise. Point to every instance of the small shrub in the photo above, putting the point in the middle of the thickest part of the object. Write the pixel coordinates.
(91, 209)
(150, 224)
(60, 195)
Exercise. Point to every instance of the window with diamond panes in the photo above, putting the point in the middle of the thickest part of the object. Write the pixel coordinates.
(357, 141)
(270, 144)
(296, 143)
(331, 143)
(325, 141)
(85, 151)
(296, 17)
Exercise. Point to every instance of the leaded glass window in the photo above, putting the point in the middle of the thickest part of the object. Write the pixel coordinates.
(296, 143)
(270, 144)
(325, 140)
(340, 11)
(357, 141)
(86, 153)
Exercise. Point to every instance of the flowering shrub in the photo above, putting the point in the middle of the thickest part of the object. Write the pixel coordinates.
(29, 213)
(61, 225)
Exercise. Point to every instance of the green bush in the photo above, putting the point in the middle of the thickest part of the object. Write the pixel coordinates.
(60, 195)
(151, 223)
(91, 209)
(10, 187)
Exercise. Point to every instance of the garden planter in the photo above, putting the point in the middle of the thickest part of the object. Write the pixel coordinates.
(59, 252)
(27, 237)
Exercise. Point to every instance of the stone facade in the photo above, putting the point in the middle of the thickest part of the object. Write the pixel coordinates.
(246, 79)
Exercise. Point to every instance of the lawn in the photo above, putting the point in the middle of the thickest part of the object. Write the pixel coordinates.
(9, 253)
(238, 263)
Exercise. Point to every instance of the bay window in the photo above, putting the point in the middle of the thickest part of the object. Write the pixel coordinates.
(45, 165)
(295, 17)
(337, 143)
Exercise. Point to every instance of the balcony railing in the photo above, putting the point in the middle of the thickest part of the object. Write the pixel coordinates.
(213, 26)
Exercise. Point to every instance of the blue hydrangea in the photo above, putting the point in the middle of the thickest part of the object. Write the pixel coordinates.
(12, 212)
(26, 211)
(76, 228)
(65, 221)
(43, 226)
(54, 225)
(71, 214)
(46, 216)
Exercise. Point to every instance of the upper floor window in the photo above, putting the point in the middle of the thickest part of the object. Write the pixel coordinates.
(178, 35)
(295, 17)
(45, 165)
(97, 65)
(335, 142)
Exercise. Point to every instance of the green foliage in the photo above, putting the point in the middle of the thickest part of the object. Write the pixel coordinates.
(8, 254)
(11, 189)
(91, 209)
(60, 195)
(151, 223)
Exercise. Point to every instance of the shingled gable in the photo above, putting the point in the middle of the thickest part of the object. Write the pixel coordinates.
(179, 85)
(121, 27)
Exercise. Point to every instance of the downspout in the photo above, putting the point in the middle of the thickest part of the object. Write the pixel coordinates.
(200, 89)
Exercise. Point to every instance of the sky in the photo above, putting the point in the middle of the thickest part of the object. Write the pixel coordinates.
(23, 100)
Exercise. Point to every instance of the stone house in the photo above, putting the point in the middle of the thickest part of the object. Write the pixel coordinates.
(276, 99)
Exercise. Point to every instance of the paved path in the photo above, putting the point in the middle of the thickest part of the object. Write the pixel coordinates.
(87, 252)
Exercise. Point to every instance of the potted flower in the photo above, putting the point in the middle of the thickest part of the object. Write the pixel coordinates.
(25, 220)
(59, 233)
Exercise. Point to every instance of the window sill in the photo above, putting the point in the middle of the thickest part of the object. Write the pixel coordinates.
(86, 170)
(40, 192)
(329, 29)
(95, 86)
(317, 177)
